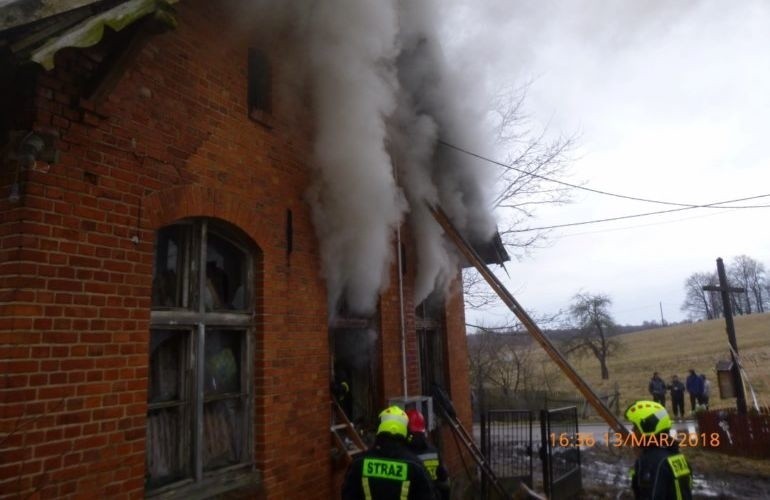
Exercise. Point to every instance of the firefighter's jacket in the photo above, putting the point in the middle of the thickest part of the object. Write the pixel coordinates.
(430, 458)
(661, 474)
(387, 471)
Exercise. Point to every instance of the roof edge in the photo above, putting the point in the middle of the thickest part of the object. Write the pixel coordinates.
(20, 12)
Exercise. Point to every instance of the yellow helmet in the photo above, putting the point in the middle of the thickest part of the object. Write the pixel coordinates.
(393, 420)
(649, 418)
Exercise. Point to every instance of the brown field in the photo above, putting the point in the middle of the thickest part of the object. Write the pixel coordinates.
(676, 349)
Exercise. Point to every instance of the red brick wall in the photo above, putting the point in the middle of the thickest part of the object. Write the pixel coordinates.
(172, 140)
(459, 383)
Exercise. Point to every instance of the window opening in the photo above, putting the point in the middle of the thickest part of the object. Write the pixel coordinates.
(431, 334)
(259, 86)
(354, 347)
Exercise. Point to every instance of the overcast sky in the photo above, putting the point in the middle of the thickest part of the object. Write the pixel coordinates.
(672, 102)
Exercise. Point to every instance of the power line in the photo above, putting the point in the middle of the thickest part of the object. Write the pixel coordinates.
(596, 191)
(637, 226)
(622, 217)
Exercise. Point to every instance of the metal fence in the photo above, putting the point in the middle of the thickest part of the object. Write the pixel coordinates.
(506, 442)
(560, 452)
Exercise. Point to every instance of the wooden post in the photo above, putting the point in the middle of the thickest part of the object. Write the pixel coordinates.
(725, 290)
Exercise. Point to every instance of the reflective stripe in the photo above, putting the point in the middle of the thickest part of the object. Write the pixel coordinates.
(405, 490)
(367, 489)
(678, 489)
(388, 417)
(680, 469)
(431, 462)
(678, 465)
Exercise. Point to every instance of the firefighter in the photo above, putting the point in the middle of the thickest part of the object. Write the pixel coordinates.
(427, 453)
(388, 470)
(660, 472)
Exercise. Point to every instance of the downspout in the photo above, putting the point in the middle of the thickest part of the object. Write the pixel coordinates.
(401, 298)
(401, 310)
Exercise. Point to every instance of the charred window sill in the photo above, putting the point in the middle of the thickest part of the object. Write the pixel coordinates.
(262, 117)
(237, 482)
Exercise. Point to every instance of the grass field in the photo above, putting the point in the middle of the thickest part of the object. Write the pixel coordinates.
(676, 349)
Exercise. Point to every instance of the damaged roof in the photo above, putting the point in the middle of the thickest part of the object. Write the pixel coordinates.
(491, 252)
(20, 12)
(35, 30)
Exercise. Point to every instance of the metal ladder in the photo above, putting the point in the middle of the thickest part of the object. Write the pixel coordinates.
(450, 415)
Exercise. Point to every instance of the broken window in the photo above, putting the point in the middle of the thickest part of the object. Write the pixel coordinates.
(199, 393)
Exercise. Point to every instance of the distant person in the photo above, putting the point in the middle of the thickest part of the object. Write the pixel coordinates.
(706, 392)
(677, 397)
(694, 385)
(657, 388)
(660, 472)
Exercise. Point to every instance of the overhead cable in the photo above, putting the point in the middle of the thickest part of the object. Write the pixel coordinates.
(596, 191)
(609, 219)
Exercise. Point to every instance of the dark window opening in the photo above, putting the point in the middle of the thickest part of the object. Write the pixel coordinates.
(356, 364)
(431, 335)
(259, 87)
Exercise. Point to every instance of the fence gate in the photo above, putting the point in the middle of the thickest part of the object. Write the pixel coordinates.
(560, 453)
(506, 442)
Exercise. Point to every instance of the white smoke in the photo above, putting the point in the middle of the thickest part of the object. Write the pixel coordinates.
(434, 105)
(381, 99)
(356, 203)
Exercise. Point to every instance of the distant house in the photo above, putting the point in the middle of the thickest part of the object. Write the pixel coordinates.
(163, 324)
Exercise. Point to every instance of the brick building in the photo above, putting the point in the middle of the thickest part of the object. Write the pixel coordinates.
(163, 323)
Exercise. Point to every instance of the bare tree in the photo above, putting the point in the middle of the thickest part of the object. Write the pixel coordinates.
(514, 366)
(481, 357)
(522, 183)
(749, 274)
(525, 177)
(476, 292)
(697, 302)
(594, 327)
(501, 358)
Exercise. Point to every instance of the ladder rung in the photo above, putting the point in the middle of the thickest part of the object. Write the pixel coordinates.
(338, 427)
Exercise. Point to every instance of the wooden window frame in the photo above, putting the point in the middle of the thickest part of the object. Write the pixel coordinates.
(193, 318)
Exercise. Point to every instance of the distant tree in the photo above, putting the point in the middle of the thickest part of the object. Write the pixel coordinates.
(699, 303)
(482, 346)
(500, 357)
(749, 274)
(594, 327)
(514, 366)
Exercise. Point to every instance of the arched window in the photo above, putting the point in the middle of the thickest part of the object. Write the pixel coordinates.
(200, 368)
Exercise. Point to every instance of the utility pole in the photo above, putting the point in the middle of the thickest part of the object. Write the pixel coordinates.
(725, 290)
(662, 320)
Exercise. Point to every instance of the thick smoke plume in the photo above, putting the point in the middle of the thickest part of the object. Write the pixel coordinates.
(381, 99)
